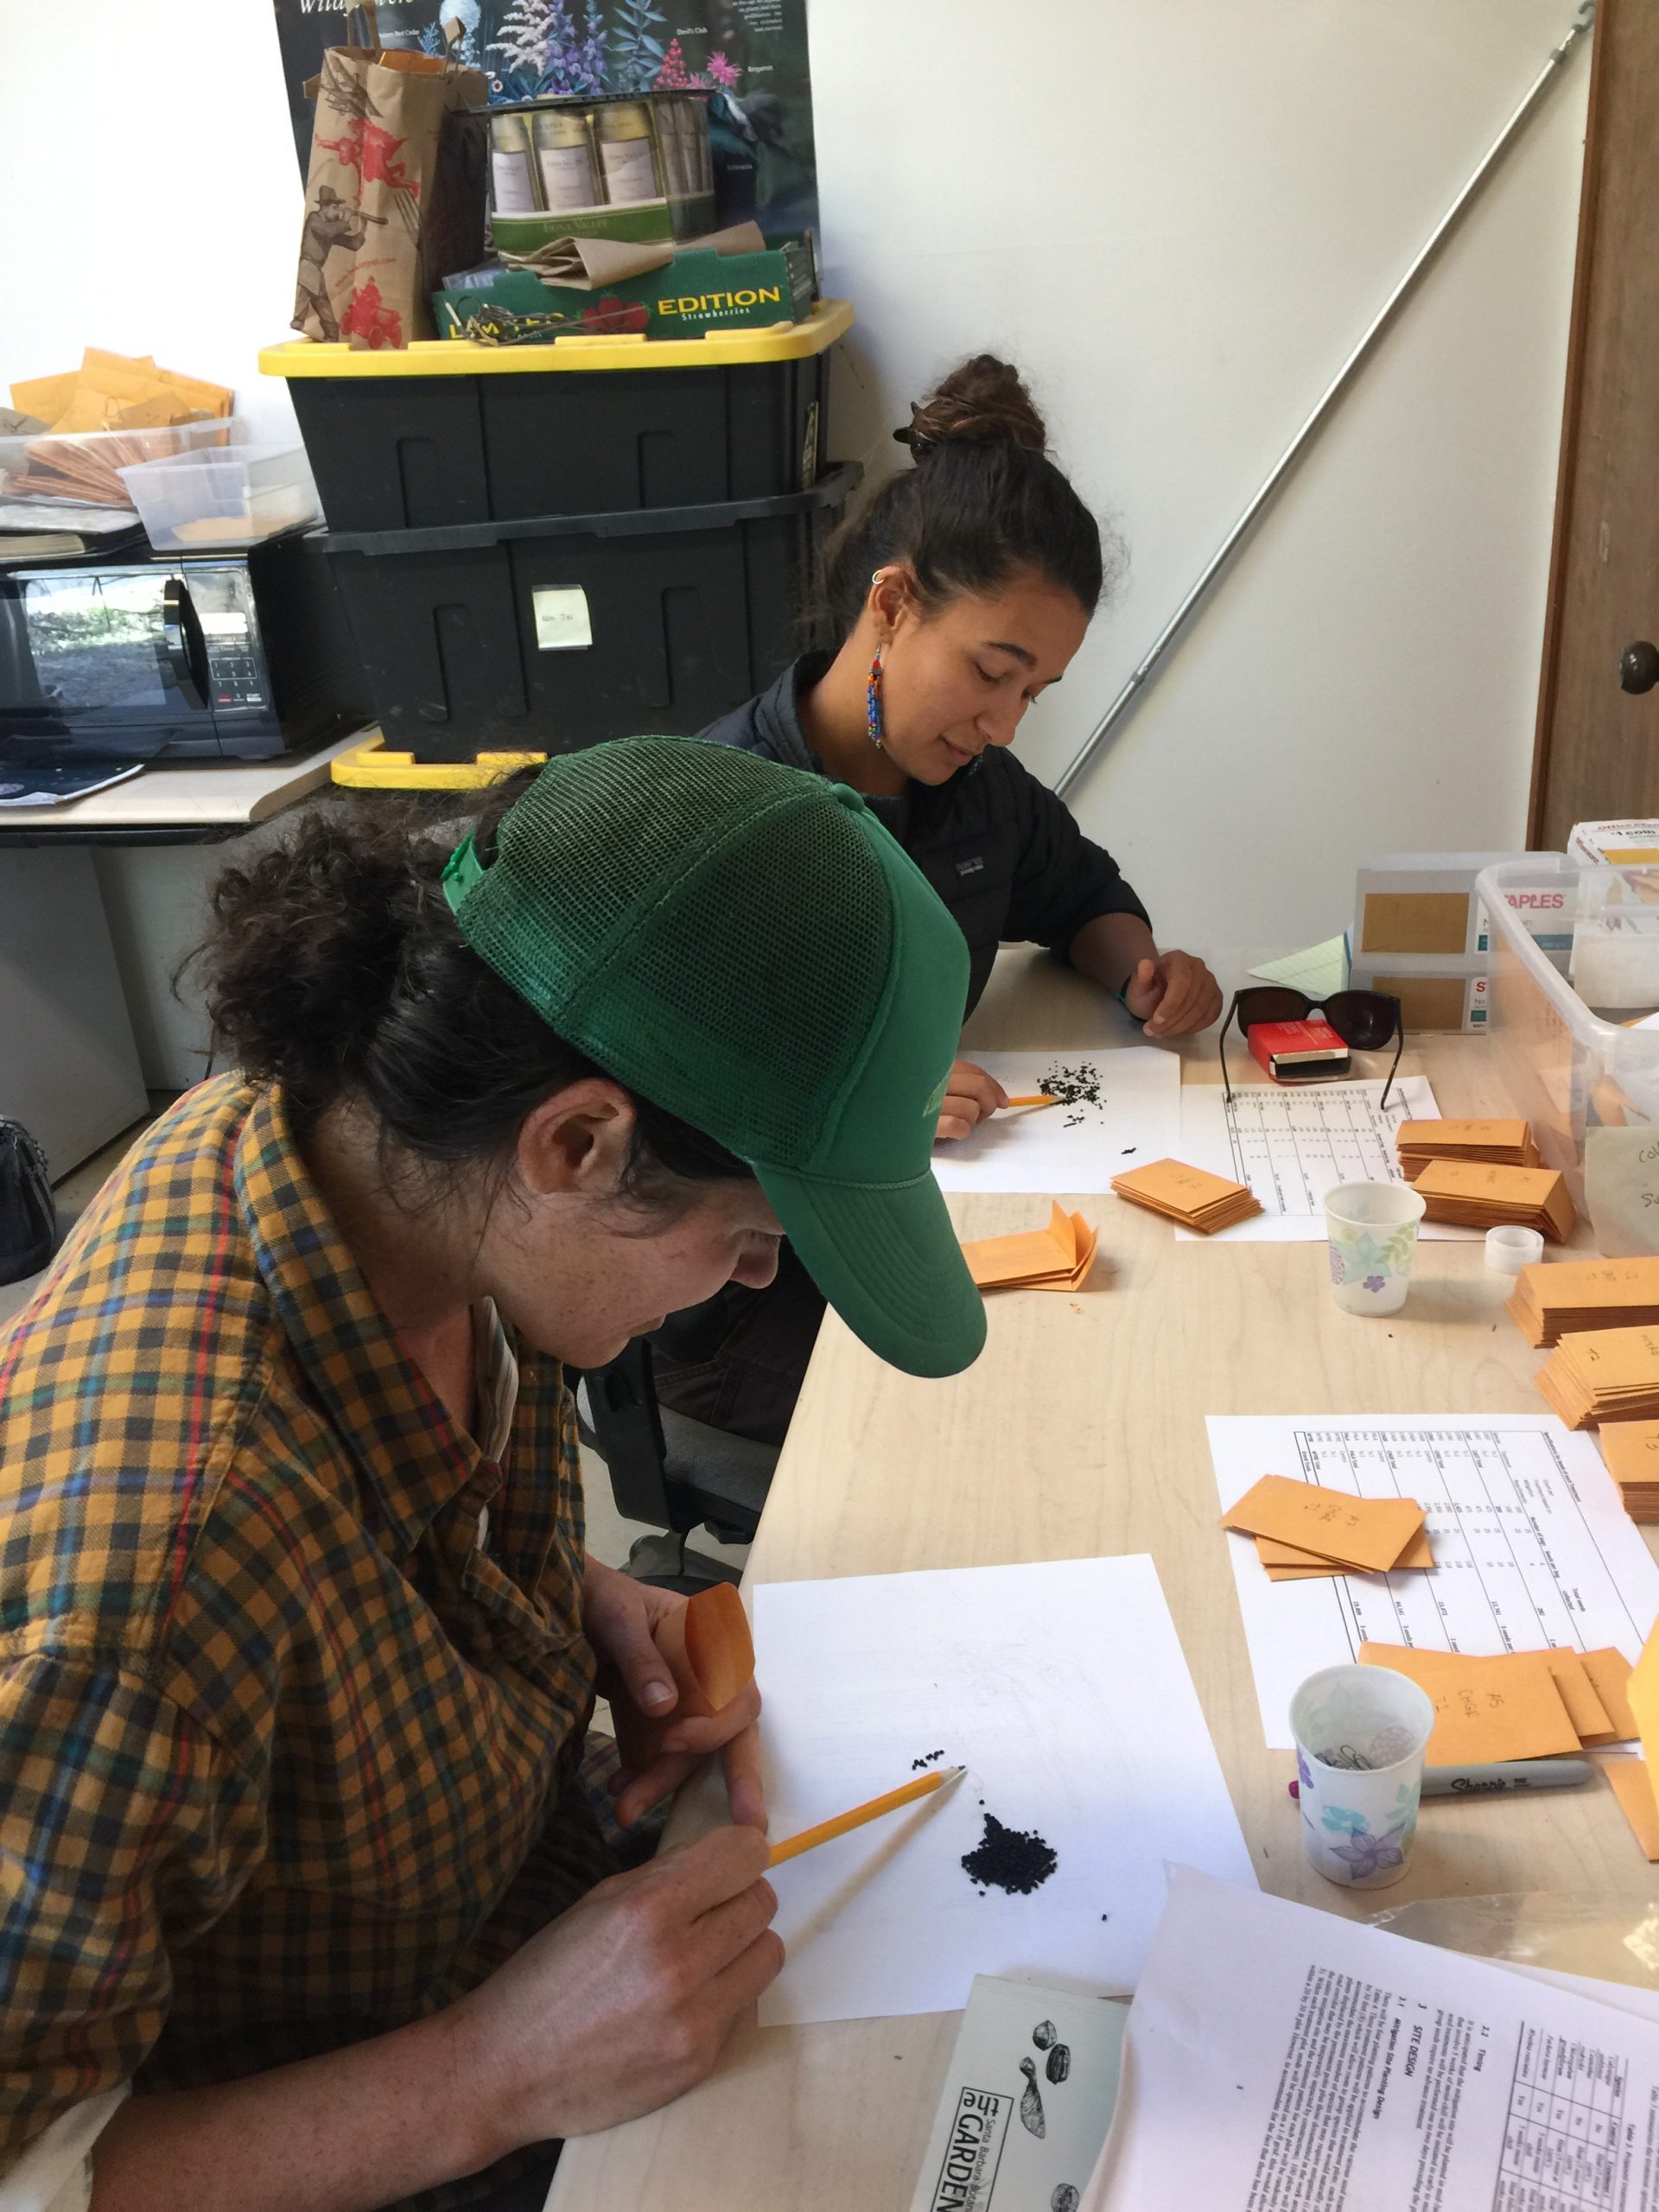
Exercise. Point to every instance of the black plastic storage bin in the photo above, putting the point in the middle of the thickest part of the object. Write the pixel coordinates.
(549, 633)
(447, 431)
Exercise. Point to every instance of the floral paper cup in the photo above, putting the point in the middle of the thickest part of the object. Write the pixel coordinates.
(1361, 1735)
(1372, 1228)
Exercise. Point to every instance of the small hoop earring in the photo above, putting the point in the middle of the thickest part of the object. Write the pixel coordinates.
(875, 728)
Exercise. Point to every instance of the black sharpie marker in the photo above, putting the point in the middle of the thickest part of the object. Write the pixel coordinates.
(1505, 1778)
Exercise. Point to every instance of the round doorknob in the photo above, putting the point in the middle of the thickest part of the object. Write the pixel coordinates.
(1638, 667)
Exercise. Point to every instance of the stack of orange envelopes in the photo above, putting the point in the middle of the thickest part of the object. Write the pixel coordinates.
(1519, 1704)
(1603, 1375)
(1491, 1144)
(1302, 1529)
(1630, 1449)
(1556, 1300)
(1191, 1195)
(1055, 1258)
(1479, 1197)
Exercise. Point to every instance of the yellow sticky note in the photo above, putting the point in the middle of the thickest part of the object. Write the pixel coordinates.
(1634, 1791)
(1610, 1677)
(1361, 1532)
(1506, 1707)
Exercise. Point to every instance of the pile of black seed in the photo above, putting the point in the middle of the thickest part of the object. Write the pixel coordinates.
(1016, 1859)
(928, 1758)
(1074, 1088)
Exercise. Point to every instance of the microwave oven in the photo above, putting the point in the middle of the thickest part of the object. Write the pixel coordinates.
(240, 653)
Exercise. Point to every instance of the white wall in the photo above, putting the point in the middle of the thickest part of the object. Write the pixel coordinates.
(1179, 218)
(152, 198)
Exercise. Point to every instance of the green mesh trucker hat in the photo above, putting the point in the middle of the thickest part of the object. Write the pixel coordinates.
(745, 946)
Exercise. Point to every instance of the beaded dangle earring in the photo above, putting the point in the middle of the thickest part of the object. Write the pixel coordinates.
(875, 728)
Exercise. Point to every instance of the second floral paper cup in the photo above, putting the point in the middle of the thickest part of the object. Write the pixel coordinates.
(1372, 1228)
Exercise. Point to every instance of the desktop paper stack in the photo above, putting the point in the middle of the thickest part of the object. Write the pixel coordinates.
(1506, 1143)
(1603, 1375)
(1554, 1301)
(1055, 1258)
(1302, 1529)
(1478, 1197)
(1191, 1195)
(1631, 1450)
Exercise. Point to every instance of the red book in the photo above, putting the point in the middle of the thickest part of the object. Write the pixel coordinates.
(1297, 1051)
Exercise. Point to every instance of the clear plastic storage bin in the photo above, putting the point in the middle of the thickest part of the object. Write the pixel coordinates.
(222, 498)
(83, 466)
(1589, 1087)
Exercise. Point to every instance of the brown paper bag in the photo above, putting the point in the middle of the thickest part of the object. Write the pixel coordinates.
(376, 192)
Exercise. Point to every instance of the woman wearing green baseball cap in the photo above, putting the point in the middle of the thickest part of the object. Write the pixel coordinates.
(308, 1904)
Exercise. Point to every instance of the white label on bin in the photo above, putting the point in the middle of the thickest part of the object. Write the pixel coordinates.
(561, 620)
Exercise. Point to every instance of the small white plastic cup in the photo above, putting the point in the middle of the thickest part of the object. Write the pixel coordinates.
(1510, 1248)
(1360, 1736)
(1372, 1229)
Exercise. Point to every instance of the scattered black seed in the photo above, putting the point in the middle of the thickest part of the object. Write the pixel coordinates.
(1105, 1915)
(1128, 1149)
(1074, 1087)
(1014, 1859)
(928, 1758)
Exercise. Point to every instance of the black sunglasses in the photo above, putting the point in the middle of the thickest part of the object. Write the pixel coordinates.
(1364, 1019)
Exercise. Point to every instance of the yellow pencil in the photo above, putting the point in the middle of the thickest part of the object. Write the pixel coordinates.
(1036, 1098)
(924, 1786)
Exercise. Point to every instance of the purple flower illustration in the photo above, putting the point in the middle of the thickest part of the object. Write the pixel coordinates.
(1305, 1772)
(1338, 1273)
(1370, 1854)
(1375, 1283)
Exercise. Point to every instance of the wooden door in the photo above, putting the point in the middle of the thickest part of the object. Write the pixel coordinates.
(1597, 750)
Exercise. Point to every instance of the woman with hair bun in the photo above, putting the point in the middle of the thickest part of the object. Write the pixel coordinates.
(959, 594)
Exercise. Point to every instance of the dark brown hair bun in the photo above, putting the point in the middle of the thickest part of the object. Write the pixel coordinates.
(984, 401)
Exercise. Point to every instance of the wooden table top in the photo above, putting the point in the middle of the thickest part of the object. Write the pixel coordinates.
(1080, 1431)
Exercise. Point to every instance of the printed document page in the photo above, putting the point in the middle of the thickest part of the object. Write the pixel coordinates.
(1279, 2059)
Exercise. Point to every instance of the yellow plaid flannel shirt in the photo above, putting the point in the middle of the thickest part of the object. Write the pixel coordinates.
(279, 1735)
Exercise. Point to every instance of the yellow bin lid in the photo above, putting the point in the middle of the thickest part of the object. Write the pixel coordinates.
(465, 356)
(373, 766)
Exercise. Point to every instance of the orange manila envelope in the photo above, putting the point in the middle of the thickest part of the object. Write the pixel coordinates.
(1061, 1255)
(1584, 1708)
(1509, 1133)
(1634, 1790)
(1171, 1186)
(1609, 1676)
(1368, 1532)
(1506, 1707)
(1418, 1553)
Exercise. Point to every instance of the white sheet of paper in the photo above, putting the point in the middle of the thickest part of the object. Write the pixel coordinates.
(984, 2155)
(1079, 1148)
(1279, 2057)
(1531, 1543)
(1062, 1687)
(1293, 1146)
